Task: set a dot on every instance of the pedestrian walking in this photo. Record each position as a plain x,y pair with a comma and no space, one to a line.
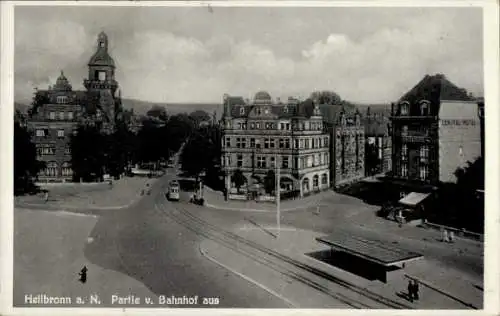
46,197
452,236
415,290
445,236
410,291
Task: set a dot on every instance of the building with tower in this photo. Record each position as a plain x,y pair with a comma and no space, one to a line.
57,112
258,135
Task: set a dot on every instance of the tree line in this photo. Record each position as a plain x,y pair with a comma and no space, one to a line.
94,154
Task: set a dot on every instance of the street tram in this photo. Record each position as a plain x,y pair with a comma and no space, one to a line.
173,191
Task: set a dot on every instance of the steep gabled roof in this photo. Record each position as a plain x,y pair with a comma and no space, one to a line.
434,89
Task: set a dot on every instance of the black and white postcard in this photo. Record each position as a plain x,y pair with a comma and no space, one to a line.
230,157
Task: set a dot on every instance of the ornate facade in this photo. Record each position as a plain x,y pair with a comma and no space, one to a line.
347,148
257,136
59,110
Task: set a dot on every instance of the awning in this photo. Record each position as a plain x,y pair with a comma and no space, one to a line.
414,198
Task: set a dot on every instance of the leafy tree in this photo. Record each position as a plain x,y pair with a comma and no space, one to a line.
326,97
199,116
178,128
238,179
196,156
159,112
89,153
270,182
122,147
26,166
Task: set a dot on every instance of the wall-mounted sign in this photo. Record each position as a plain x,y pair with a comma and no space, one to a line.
458,122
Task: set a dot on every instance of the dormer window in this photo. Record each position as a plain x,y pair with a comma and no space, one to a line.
424,108
405,107
242,111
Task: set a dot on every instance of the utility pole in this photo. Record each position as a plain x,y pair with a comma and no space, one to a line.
277,195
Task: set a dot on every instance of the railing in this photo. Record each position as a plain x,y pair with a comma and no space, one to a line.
457,231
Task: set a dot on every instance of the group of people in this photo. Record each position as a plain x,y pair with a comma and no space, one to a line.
448,236
413,290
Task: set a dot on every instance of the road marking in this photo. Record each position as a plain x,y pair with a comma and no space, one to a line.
204,253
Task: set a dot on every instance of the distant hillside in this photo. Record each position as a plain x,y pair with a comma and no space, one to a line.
21,107
141,107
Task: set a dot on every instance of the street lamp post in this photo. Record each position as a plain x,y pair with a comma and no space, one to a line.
277,195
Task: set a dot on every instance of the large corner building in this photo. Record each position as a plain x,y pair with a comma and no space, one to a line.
260,134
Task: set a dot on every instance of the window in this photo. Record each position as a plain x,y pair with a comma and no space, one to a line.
307,144
273,165
244,125
70,115
238,142
252,125
266,143
52,115
313,143
257,143
268,126
282,125
285,109
284,162
404,108
287,143
228,142
102,75
424,153
271,142
404,152
281,143
404,170
296,143
239,125
252,142
424,172
424,108
51,169
243,142
324,178
261,162
315,181
242,111
67,151
239,161
287,126
404,130
258,125
40,132
61,99
266,111
66,169
60,133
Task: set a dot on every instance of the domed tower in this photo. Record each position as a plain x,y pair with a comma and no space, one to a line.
101,84
62,84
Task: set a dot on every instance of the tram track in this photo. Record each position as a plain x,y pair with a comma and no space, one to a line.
283,264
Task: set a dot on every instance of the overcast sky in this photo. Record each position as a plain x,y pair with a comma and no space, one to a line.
196,55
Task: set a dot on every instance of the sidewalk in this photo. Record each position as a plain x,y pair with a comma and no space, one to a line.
296,243
121,194
215,199
51,249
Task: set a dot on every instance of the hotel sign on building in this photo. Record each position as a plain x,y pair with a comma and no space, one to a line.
436,130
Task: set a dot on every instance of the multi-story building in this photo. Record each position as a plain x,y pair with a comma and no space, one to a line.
58,110
347,148
378,142
257,136
436,130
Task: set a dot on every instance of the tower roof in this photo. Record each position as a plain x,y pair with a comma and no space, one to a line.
262,97
101,57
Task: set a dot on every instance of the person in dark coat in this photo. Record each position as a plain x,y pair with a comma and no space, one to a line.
415,290
410,291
